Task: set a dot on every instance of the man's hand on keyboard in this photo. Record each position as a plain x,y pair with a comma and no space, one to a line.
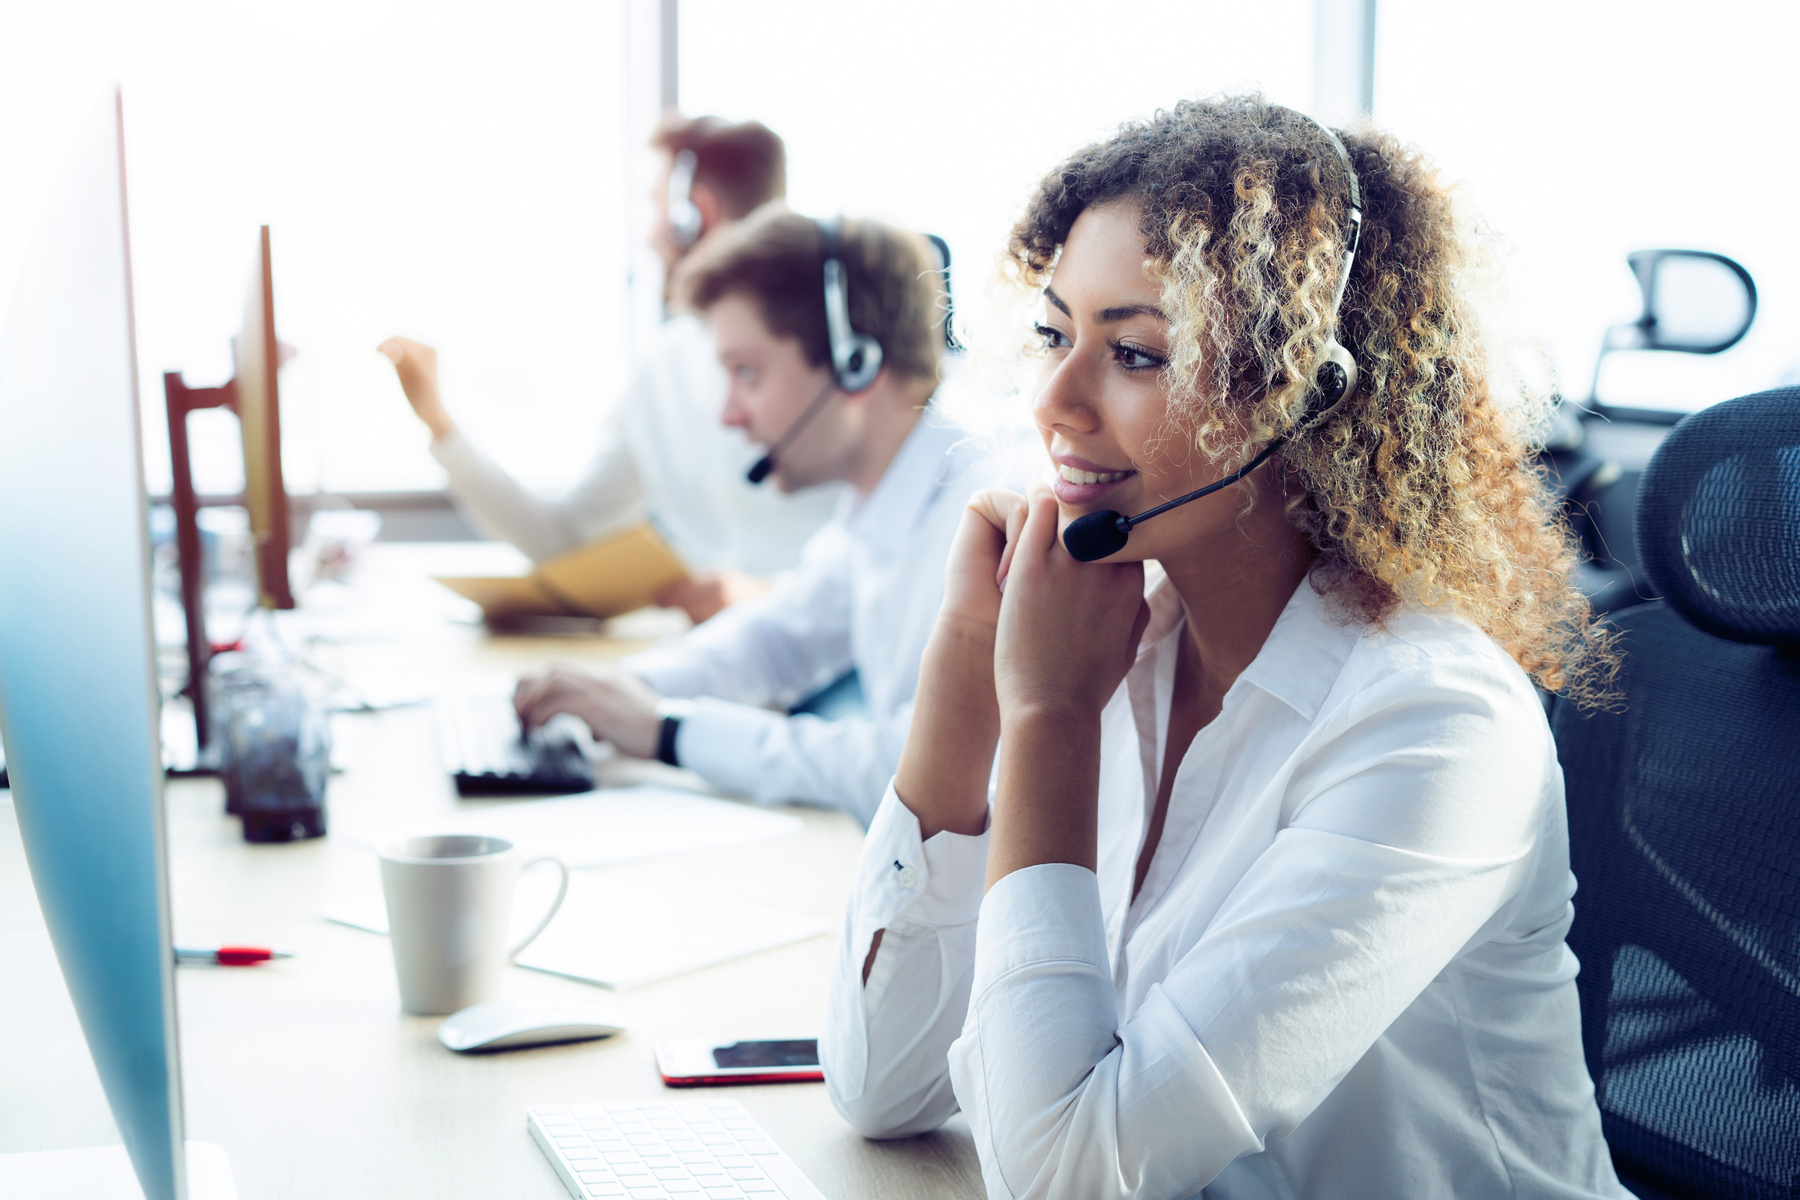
619,707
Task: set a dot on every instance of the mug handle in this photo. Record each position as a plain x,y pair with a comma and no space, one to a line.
561,891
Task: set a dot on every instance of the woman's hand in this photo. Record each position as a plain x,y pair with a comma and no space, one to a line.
949,754
1068,631
976,570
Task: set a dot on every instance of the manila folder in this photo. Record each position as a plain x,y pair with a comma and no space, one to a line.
619,575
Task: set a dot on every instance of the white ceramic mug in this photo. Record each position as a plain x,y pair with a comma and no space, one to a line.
449,909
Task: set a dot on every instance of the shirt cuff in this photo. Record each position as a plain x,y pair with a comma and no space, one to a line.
458,455
934,882
724,742
1047,913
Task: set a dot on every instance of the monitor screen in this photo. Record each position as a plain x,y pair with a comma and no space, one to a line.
78,694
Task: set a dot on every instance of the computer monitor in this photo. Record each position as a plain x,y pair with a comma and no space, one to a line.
254,393
258,357
78,691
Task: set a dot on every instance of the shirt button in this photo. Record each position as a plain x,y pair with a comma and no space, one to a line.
909,878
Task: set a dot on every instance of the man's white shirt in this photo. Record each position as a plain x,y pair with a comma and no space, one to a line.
664,456
1345,973
865,596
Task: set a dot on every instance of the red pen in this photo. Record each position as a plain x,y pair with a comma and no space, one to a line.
229,956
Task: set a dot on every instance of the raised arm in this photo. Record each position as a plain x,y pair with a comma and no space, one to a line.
907,954
609,494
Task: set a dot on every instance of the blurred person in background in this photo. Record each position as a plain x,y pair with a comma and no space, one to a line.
664,454
868,589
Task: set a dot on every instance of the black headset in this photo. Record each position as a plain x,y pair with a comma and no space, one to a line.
855,357
1098,535
686,223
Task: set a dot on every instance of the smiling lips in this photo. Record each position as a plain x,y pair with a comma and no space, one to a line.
1079,486
1073,475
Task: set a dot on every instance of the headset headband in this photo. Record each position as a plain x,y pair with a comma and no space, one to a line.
685,220
1353,237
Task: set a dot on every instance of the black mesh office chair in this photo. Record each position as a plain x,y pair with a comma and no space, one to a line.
1684,822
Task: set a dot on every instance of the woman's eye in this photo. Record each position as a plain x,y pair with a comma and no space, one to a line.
1053,339
1134,358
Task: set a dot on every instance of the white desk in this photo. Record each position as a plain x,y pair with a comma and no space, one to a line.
310,1076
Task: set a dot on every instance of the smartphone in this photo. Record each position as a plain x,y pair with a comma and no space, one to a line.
711,1064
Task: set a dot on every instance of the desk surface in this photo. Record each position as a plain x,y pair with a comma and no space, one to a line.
306,1070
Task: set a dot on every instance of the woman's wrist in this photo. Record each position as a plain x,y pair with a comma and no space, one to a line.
949,755
1047,806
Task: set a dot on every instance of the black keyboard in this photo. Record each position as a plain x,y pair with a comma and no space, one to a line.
486,756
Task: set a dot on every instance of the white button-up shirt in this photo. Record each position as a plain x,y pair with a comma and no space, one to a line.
1345,974
663,455
866,595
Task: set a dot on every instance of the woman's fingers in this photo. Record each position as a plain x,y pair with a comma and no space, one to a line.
971,591
1015,524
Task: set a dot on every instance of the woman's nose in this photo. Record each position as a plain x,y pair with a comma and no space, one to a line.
1066,398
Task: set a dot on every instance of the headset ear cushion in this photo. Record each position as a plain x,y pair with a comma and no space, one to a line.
861,365
1334,380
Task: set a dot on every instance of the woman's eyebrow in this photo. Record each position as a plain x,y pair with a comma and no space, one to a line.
1126,312
1108,316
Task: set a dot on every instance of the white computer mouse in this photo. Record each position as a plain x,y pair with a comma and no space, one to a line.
504,1025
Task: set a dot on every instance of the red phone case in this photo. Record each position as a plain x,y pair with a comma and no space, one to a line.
814,1075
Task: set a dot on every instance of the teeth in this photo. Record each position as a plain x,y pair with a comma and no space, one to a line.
1074,476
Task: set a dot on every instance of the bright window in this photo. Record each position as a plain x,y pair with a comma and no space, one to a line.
1584,131
447,171
943,115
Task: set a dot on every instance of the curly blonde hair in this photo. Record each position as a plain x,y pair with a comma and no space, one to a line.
1423,486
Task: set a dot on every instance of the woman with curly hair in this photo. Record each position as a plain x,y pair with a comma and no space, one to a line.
1270,894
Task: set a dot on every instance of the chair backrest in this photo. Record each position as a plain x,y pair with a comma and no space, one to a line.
1684,821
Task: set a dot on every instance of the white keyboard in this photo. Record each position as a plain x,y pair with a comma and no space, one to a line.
665,1150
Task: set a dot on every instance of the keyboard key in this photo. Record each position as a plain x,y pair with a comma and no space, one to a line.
758,1187
608,1190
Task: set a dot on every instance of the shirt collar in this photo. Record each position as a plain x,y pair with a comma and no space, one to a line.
1298,663
884,520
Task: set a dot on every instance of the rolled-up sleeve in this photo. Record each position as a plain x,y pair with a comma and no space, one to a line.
609,497
885,1042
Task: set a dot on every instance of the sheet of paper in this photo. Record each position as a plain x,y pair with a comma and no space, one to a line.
618,936
597,829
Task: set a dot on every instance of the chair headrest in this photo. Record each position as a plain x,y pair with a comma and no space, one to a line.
1718,519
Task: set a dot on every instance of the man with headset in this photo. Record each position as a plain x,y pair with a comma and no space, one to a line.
832,336
664,455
